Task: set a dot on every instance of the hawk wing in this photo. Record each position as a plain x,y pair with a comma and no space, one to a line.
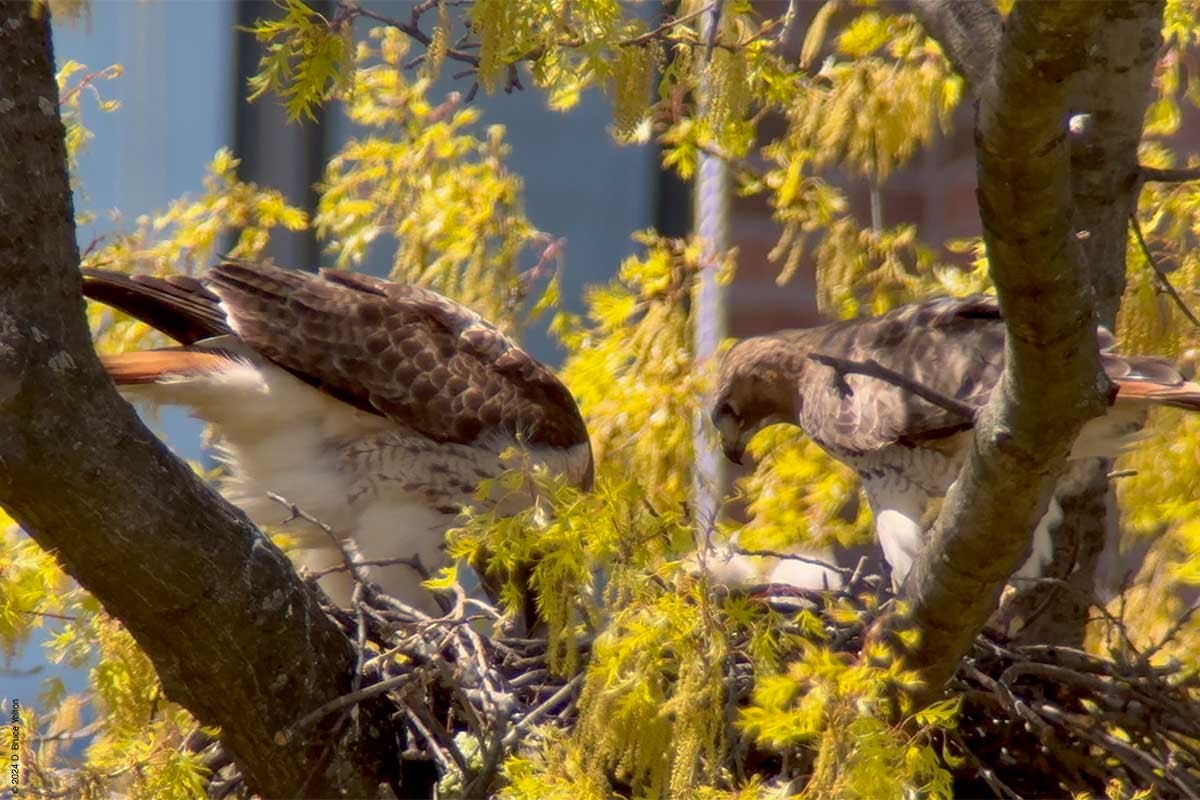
422,361
952,347
888,396
284,364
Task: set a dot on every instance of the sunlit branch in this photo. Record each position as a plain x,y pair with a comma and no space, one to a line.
874,369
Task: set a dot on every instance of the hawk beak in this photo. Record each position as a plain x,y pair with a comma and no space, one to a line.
733,452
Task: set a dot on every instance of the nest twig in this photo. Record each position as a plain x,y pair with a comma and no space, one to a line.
1055,720
1036,720
465,698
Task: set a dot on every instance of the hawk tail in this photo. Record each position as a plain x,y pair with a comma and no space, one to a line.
1185,395
1154,381
178,305
144,367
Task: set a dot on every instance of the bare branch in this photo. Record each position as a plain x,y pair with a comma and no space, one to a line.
1177,175
535,716
1163,280
874,369
412,562
1171,633
295,512
816,562
658,32
1148,769
411,29
338,703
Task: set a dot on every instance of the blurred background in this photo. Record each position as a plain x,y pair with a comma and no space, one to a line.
183,96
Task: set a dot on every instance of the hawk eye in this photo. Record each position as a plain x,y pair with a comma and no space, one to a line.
726,410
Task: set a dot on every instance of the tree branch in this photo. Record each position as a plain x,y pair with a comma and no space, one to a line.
1111,93
411,29
235,635
1052,381
873,369
1163,280
1177,175
1109,98
969,32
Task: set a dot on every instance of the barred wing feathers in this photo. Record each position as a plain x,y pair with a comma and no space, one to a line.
424,362
377,407
953,347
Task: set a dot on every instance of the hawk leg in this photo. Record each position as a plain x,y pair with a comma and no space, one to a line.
897,504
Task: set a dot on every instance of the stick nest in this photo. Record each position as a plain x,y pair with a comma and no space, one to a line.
1035,721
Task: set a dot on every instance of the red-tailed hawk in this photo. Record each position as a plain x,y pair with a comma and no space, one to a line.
907,448
377,408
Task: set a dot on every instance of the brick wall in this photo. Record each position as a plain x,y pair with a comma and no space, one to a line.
935,191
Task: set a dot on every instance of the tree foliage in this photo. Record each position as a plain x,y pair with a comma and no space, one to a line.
652,641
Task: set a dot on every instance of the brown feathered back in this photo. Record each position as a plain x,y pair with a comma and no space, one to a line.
952,346
425,362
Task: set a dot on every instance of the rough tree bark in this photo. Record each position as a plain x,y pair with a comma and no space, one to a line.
1052,383
1112,90
968,31
1110,94
235,635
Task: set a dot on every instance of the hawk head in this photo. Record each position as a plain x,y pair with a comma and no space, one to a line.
755,389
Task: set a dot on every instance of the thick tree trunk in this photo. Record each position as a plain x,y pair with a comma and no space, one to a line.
1052,383
1111,86
235,635
1110,96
